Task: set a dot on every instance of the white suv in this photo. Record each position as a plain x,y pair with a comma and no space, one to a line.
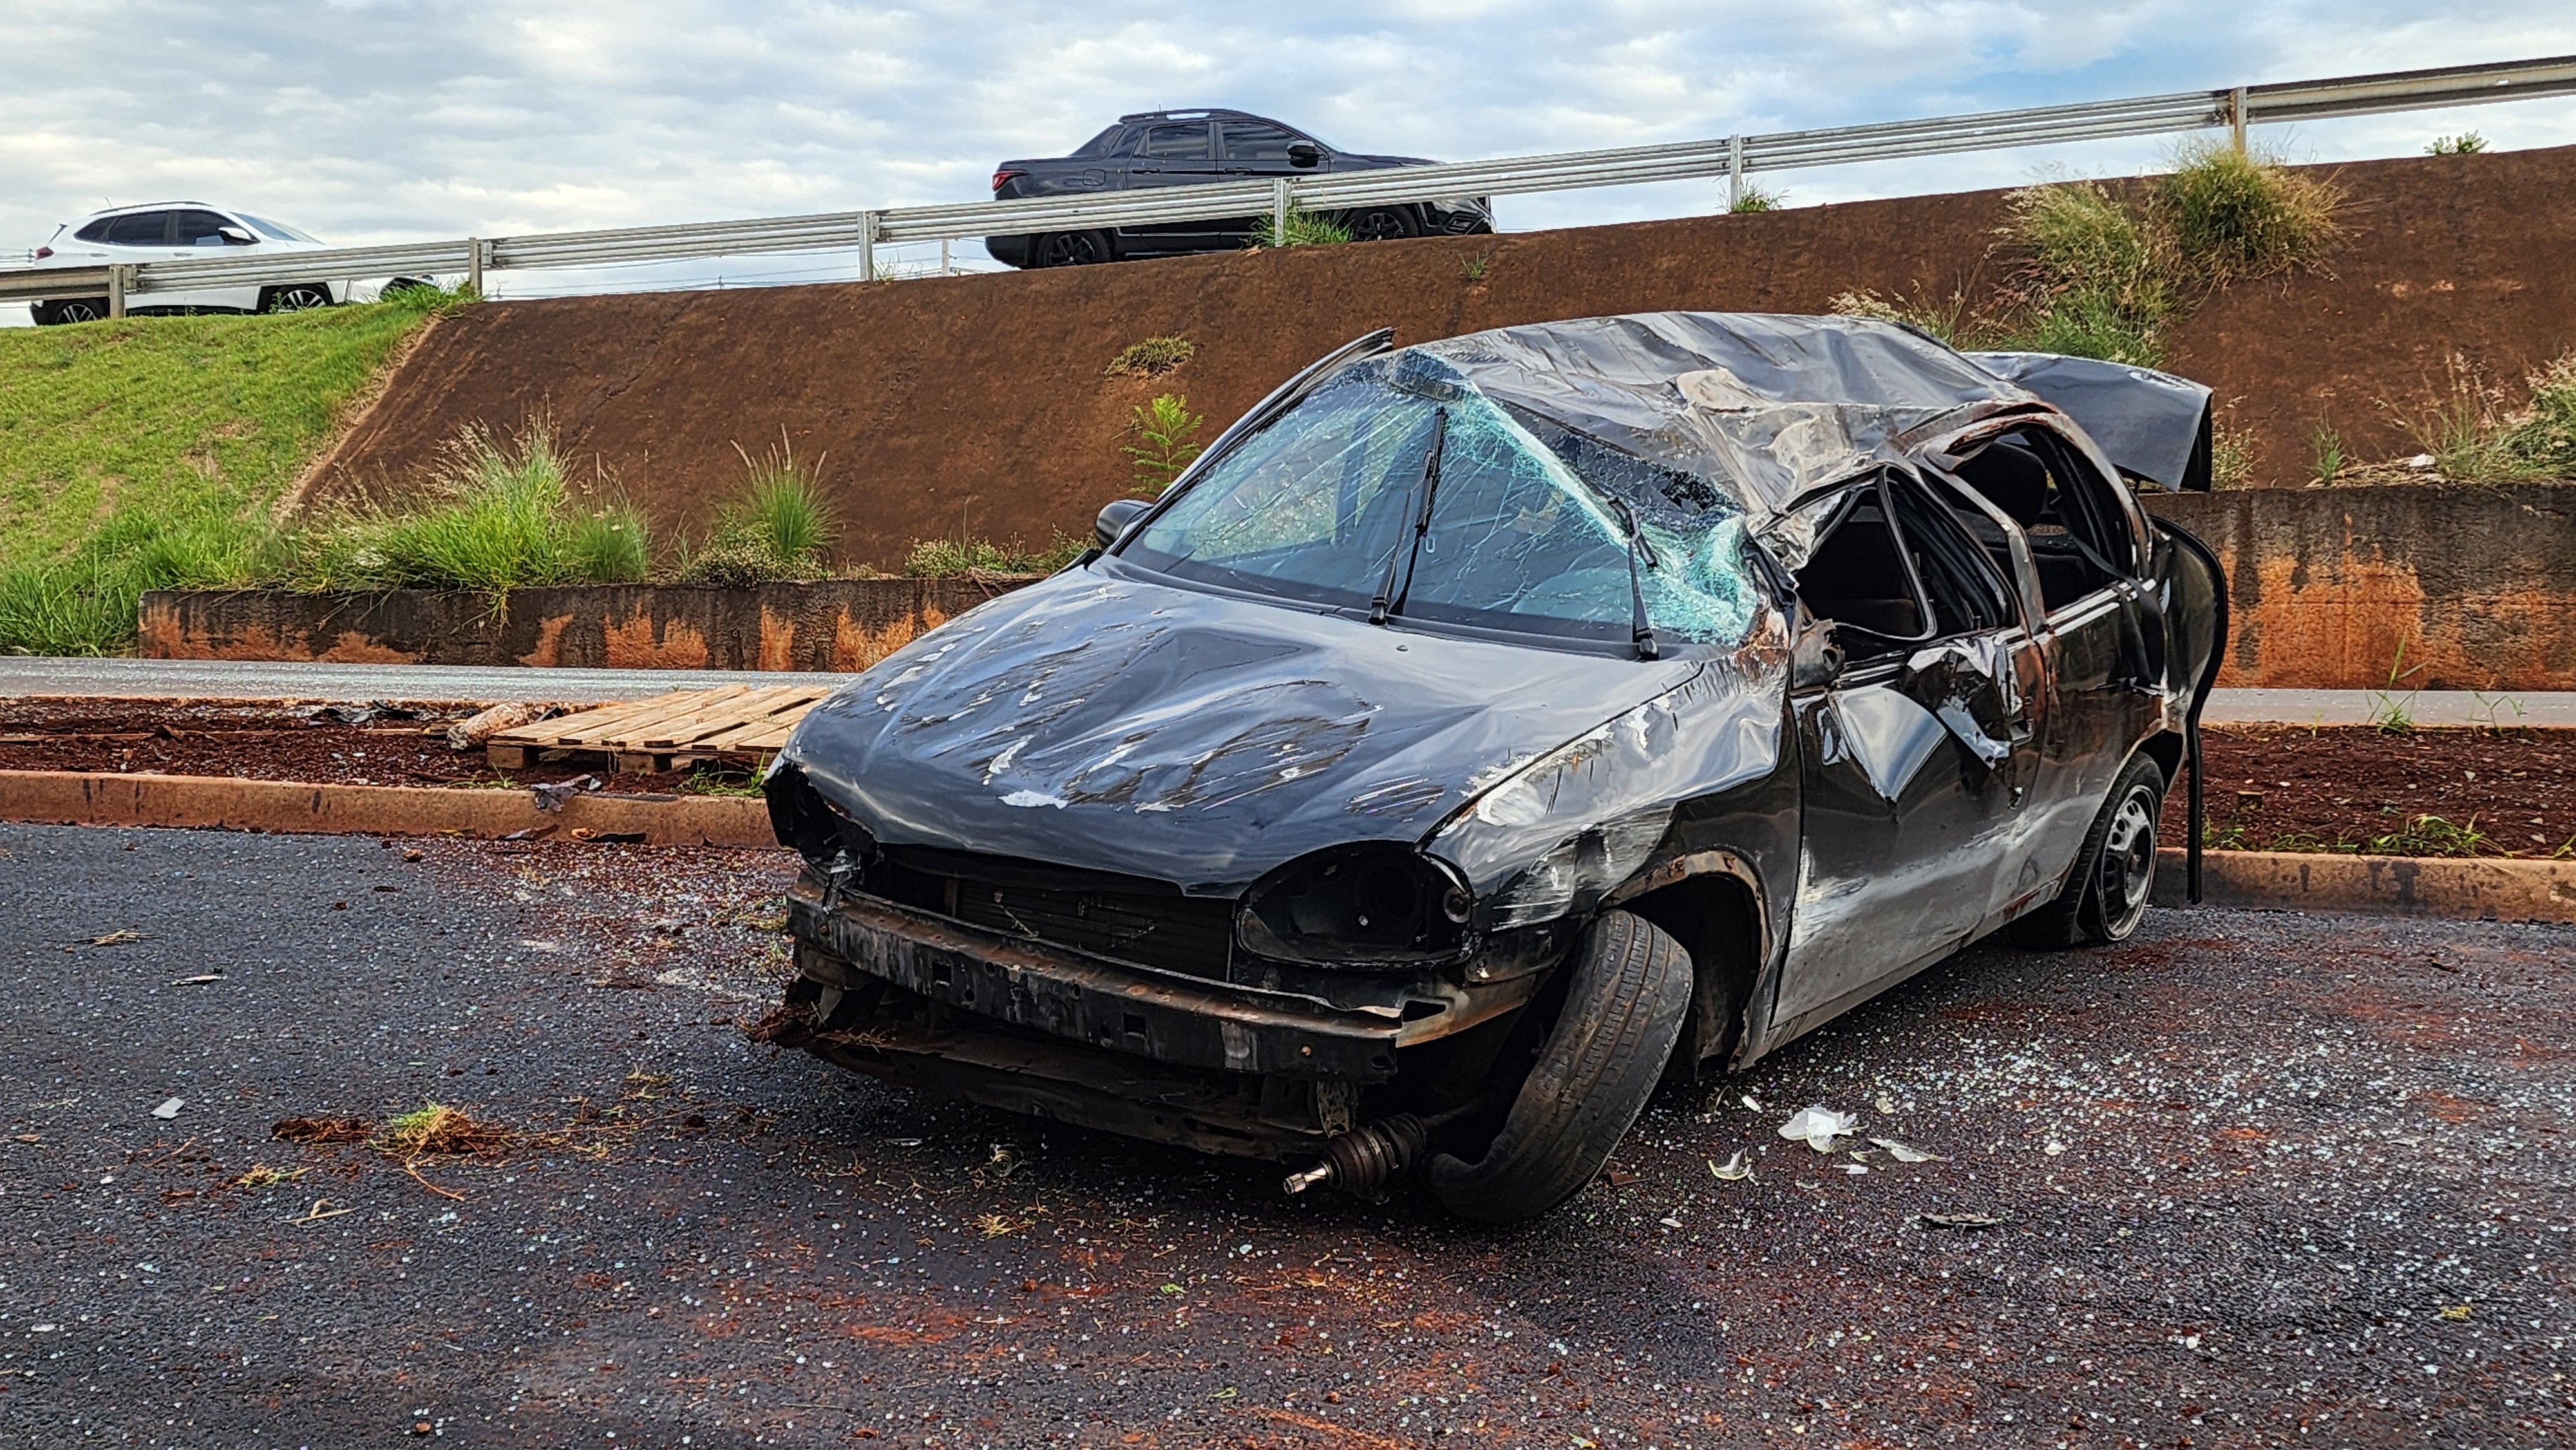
176,230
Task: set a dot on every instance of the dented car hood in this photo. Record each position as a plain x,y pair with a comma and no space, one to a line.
1124,725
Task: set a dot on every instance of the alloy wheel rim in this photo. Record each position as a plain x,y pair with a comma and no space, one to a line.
1377,226
2128,867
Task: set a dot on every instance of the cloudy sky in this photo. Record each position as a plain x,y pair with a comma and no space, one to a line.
382,120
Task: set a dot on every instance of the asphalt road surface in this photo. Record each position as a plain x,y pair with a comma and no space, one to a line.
2260,1180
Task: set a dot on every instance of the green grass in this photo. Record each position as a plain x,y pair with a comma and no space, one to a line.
1151,358
1304,229
499,515
147,453
944,558
1756,199
778,527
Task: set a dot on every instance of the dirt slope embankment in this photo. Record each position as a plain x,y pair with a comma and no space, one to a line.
978,404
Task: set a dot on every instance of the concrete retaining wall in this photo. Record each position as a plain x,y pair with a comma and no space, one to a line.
2475,586
2327,586
837,624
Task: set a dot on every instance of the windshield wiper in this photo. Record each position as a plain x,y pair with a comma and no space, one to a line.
1424,488
1643,627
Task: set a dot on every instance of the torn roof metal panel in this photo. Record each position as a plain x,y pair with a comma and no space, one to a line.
2150,424
1766,406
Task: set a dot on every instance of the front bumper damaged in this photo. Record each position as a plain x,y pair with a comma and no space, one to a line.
1037,1028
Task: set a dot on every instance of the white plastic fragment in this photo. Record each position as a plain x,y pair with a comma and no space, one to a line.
1733,1170
1817,1126
1904,1154
1750,1101
1886,1106
169,1108
1855,1168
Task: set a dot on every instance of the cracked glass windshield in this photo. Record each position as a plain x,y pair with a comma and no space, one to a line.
1516,531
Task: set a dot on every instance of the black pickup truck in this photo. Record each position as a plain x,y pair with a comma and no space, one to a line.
1187,148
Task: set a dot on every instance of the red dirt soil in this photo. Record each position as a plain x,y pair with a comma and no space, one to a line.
2271,788
268,742
979,403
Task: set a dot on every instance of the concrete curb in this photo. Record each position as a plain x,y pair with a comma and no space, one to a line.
56,797
2454,889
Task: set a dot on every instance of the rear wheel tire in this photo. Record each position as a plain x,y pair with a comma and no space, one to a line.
1382,224
1071,249
2115,874
1624,1005
78,309
301,297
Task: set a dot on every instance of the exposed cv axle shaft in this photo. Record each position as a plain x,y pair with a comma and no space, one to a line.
1364,1159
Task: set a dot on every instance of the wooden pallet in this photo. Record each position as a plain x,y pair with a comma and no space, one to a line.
736,722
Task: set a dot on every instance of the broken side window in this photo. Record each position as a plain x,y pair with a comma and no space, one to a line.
2078,535
1894,571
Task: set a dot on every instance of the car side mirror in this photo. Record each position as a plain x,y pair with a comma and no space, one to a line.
1304,155
1816,660
1115,516
235,236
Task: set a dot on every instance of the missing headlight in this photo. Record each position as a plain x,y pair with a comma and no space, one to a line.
1361,905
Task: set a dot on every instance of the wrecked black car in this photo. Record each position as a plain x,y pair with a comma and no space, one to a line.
1485,731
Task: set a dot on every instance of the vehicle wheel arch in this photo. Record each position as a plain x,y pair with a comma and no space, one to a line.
2165,748
1712,903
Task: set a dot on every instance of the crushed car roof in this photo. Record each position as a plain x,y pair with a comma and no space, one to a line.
1766,405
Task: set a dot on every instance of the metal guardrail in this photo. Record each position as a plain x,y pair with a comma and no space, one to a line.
1732,157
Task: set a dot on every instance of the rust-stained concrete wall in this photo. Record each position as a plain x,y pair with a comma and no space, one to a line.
2326,586
838,624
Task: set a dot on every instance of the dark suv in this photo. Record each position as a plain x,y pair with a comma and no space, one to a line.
1189,148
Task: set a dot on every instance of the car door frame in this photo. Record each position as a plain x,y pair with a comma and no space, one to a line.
227,299
2104,650
1954,830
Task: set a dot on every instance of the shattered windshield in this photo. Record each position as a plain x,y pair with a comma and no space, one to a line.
1340,502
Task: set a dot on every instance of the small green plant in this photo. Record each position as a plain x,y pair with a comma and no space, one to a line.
2467,143
778,527
2391,713
1166,434
704,781
1151,358
1473,269
2231,456
2330,460
1304,229
2433,836
1756,198
949,558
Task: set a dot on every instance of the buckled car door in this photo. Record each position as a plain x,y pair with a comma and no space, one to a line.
1174,153
2102,628
1916,758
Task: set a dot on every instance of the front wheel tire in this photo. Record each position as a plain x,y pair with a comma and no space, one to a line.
1382,224
1624,1003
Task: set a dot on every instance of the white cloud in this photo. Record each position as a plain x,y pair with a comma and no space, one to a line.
379,120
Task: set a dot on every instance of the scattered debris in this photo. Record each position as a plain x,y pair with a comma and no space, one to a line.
1733,1170
1904,1154
169,1108
261,1175
994,1225
322,1130
1886,1106
439,1131
316,1214
1817,1126
1750,1101
1670,1220
1620,1177
473,730
1958,1220
198,980
552,796
2457,1311
116,938
1855,1168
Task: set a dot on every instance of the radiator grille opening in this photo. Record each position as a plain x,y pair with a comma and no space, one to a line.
1124,918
